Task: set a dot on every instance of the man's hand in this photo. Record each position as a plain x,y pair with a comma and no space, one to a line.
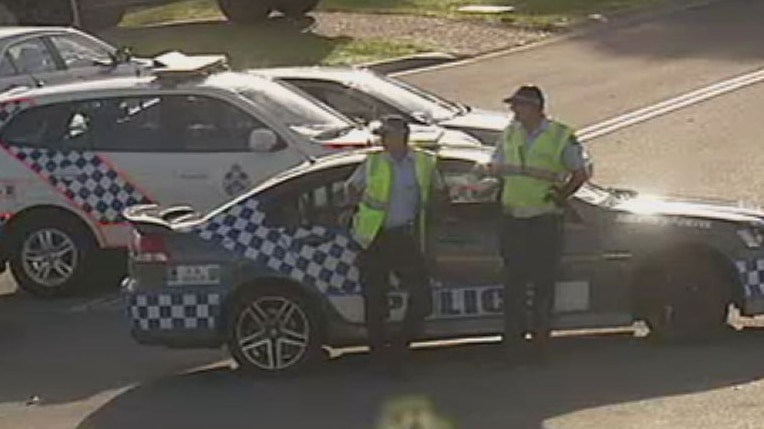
560,195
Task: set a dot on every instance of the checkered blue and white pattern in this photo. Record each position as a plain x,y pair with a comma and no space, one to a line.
317,256
175,311
752,273
85,179
236,181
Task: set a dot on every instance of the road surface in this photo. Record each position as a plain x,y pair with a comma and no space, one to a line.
71,364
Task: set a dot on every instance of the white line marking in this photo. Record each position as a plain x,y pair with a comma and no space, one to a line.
671,105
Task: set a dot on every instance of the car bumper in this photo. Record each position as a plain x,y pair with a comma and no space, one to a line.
187,317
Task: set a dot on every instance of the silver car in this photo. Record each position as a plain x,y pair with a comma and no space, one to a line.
37,56
272,274
366,95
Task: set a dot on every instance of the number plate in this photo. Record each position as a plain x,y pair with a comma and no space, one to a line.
193,275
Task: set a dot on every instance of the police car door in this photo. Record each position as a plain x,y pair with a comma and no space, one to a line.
468,267
464,253
187,149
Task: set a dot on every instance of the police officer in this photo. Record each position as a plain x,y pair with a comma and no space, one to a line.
541,165
393,188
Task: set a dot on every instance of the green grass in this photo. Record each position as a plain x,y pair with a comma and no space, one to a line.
533,13
274,43
200,28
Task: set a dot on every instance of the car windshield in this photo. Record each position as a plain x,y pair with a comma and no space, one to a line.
409,97
288,104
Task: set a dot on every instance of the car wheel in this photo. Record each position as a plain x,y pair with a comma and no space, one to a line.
274,330
49,254
245,11
690,302
102,18
296,8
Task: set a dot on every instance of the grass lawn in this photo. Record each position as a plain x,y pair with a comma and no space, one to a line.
273,43
527,13
277,42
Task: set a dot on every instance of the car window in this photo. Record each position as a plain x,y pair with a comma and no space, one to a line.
468,182
79,52
7,68
350,102
60,126
173,123
32,56
318,199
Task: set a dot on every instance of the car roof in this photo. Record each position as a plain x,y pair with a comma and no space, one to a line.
479,154
83,89
10,34
332,73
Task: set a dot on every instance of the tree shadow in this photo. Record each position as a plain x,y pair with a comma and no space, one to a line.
460,382
729,29
275,42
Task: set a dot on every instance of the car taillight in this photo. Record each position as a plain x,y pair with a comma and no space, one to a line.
149,248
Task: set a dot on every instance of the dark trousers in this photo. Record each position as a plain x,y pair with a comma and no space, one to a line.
394,251
531,249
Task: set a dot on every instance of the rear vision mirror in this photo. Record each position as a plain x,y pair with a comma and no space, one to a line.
122,55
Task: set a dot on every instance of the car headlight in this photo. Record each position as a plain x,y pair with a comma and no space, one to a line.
752,237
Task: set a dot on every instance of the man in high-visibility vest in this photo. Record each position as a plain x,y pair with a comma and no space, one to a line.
394,189
541,165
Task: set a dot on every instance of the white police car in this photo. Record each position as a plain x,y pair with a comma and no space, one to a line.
272,274
74,156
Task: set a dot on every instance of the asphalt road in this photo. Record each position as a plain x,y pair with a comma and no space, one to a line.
71,364
599,75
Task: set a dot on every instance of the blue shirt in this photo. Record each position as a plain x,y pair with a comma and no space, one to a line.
574,157
404,191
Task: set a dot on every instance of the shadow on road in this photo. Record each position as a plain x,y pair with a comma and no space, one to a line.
462,383
278,41
728,29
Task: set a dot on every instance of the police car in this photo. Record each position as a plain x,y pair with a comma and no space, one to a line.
272,274
364,94
74,156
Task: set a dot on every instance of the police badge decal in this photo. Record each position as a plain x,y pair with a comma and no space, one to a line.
236,181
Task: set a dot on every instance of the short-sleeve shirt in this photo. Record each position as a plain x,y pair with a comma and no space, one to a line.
574,156
404,192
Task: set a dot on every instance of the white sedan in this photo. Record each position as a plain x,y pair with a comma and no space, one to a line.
366,95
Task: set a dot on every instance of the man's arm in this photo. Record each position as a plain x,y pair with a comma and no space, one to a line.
497,159
355,185
576,160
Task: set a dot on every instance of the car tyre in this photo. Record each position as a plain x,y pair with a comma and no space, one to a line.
274,330
50,252
690,300
296,8
245,11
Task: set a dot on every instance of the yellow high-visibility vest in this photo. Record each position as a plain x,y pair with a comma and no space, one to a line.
375,201
530,172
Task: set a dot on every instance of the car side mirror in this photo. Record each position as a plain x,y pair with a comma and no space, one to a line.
263,140
422,117
122,55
